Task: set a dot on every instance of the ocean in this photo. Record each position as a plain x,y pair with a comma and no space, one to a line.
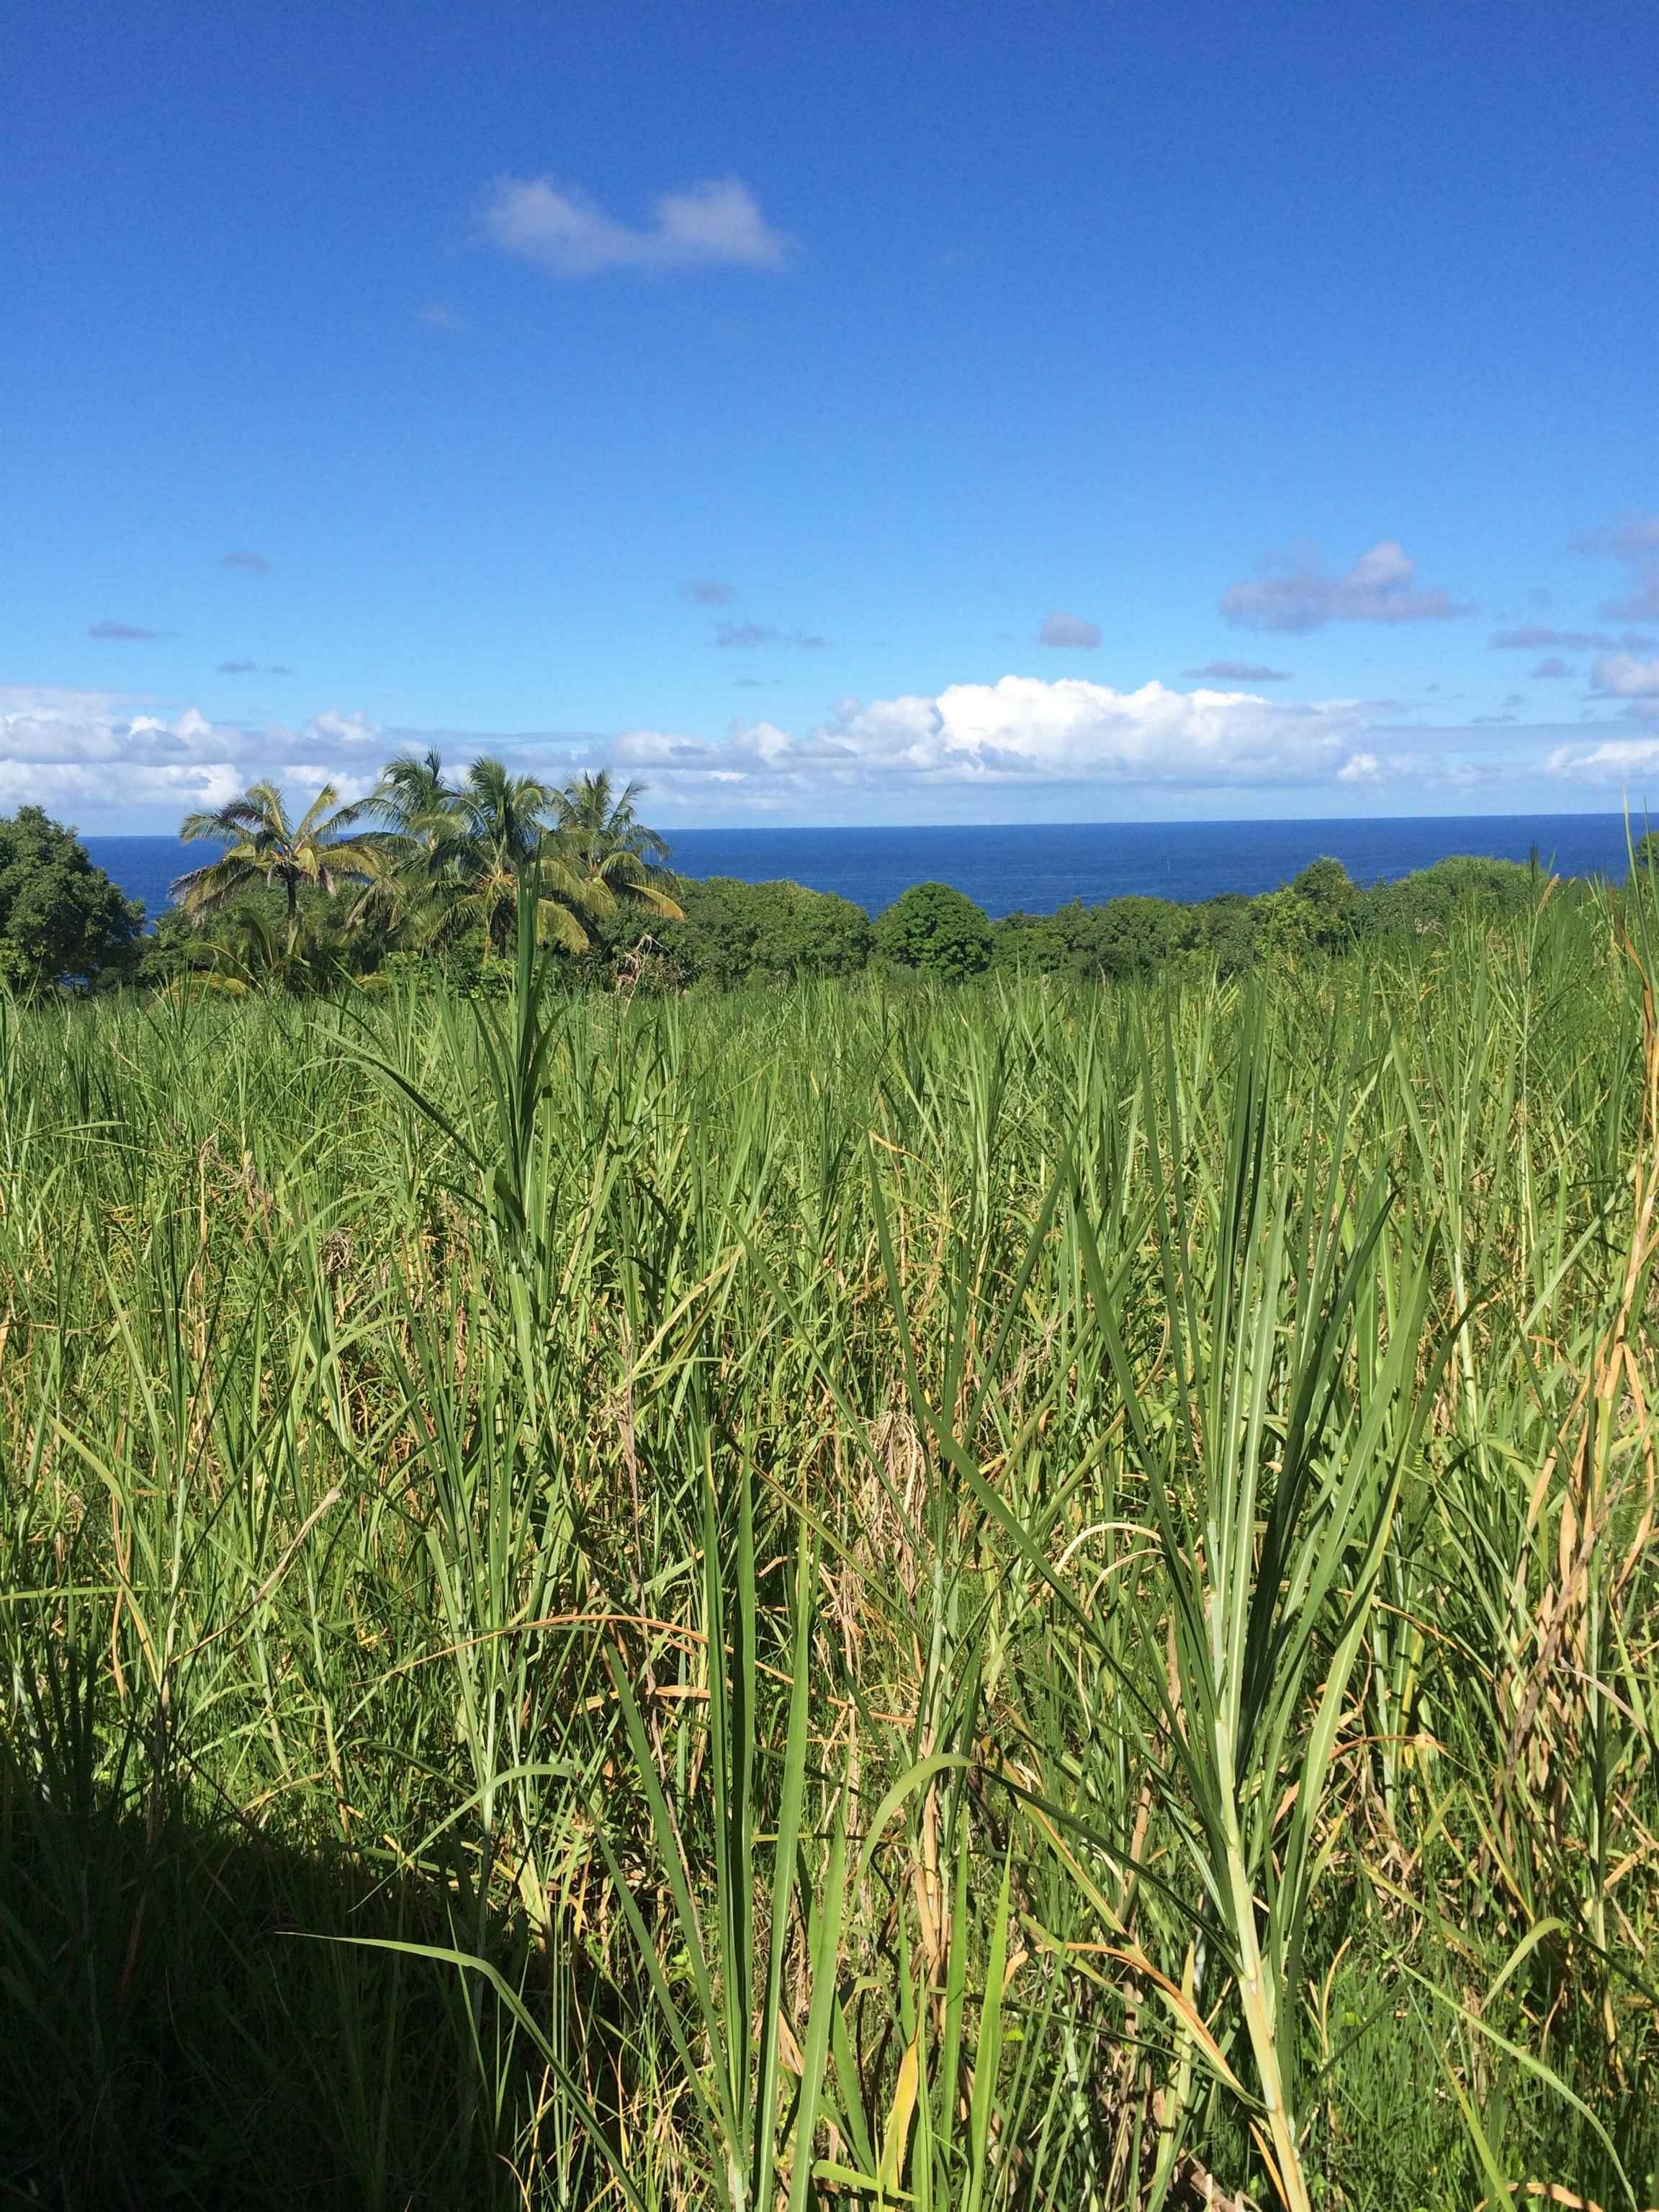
1035,868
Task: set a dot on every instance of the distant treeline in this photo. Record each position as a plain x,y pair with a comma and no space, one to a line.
291,908
731,933
734,933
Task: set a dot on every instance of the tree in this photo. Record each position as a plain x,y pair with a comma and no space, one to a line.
265,848
61,919
598,828
1315,913
1127,936
735,933
419,810
1646,854
937,929
1428,901
497,829
413,797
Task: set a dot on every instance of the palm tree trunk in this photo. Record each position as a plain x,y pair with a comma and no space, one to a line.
293,890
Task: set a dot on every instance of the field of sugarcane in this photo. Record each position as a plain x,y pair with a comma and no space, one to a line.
1030,1596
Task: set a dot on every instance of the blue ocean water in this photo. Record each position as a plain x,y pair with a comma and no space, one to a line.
1037,866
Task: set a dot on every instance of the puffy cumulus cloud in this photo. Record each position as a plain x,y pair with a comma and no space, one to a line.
1302,595
1019,729
86,751
1622,676
1553,665
1619,760
1069,631
717,222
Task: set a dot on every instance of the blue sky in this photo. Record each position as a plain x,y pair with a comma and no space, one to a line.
864,413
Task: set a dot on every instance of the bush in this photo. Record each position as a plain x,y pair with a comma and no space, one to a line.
1427,901
245,941
739,932
62,920
937,930
1318,912
1123,936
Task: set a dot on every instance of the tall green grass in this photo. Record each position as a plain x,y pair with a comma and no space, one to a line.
1022,1597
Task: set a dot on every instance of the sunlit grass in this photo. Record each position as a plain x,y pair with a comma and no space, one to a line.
1025,1595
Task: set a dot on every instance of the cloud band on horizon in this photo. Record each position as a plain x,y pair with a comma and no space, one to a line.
88,749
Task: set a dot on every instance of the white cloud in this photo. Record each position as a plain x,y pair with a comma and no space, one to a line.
1302,595
1627,678
78,752
1002,749
714,223
1615,761
1020,730
349,732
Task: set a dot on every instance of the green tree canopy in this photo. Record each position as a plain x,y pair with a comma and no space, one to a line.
737,933
61,919
1316,911
1128,936
937,929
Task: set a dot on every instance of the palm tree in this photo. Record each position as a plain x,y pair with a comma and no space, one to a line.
420,810
413,798
598,826
262,846
497,830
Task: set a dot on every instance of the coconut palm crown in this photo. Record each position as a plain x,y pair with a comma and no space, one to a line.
597,825
413,799
495,828
264,847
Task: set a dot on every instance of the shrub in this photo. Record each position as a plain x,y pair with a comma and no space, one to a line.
737,933
1426,903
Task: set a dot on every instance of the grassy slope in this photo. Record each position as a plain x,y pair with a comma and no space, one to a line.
478,1480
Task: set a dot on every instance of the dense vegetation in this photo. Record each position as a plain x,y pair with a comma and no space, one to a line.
61,919
421,878
1035,1592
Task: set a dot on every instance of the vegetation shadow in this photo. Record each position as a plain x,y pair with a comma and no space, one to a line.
195,2013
